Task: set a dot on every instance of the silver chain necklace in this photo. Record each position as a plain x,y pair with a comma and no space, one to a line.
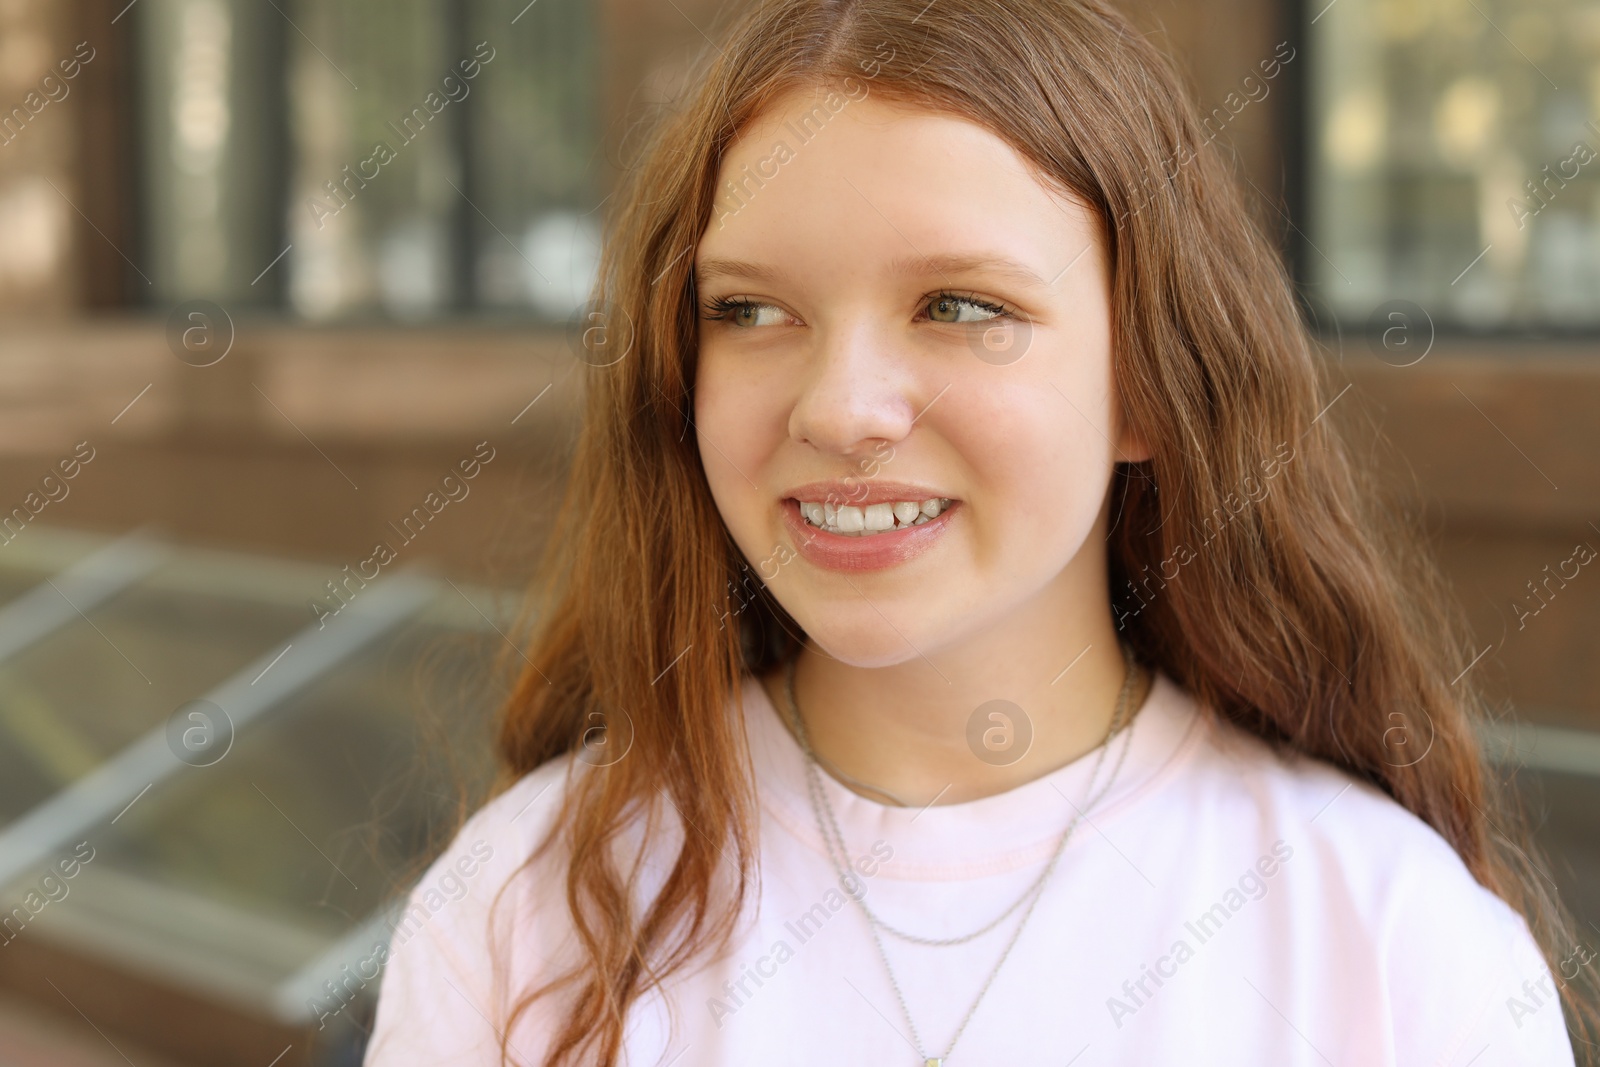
1031,895
842,857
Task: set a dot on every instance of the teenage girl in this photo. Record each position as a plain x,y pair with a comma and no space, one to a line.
966,640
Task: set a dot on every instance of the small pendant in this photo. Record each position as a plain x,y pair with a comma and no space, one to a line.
933,1062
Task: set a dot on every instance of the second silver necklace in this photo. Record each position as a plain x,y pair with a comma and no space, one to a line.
1033,895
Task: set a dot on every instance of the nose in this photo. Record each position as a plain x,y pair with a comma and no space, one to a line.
858,389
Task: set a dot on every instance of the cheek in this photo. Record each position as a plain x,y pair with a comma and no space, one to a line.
1040,471
737,425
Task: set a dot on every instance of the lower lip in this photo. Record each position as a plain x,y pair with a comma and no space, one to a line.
870,552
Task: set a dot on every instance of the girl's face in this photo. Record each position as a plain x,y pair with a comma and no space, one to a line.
894,313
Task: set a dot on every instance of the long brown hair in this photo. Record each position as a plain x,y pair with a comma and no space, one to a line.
1249,559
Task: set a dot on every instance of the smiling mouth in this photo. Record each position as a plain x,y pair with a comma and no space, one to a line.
851,520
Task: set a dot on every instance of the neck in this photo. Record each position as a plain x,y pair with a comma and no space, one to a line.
926,730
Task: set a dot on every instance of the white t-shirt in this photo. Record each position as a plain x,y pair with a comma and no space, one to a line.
1219,906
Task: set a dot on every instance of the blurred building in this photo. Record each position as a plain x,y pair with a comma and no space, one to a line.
281,265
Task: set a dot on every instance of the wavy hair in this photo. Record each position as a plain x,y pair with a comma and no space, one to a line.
1249,559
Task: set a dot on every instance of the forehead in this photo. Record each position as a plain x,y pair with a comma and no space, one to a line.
827,176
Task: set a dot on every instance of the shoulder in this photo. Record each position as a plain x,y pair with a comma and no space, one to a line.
1357,837
452,964
488,852
1393,901
506,830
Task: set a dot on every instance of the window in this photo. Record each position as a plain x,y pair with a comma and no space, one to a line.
1454,161
358,158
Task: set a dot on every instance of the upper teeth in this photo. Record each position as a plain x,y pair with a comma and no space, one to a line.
856,521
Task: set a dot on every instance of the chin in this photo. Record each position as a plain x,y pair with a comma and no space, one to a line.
869,645
869,642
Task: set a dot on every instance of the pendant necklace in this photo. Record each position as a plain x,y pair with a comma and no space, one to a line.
834,840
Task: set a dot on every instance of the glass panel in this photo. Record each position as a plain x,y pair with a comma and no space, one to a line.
1456,160
87,690
329,785
15,581
237,879
38,551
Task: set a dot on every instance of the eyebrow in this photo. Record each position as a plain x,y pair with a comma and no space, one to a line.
906,266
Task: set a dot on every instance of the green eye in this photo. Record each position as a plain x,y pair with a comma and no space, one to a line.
743,313
749,314
947,307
